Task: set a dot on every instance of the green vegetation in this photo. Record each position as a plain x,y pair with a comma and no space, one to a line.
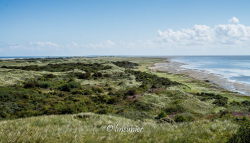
243,134
125,64
170,108
218,99
62,67
90,127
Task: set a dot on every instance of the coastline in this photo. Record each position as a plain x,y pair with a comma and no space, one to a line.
176,68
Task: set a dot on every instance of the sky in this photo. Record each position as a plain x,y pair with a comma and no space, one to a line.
124,27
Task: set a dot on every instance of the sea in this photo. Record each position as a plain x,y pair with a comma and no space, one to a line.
233,68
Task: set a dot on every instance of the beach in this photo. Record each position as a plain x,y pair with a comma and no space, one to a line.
177,68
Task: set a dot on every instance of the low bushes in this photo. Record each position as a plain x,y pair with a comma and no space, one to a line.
219,100
161,115
174,109
150,80
69,86
242,135
36,83
62,67
125,64
80,75
184,118
245,103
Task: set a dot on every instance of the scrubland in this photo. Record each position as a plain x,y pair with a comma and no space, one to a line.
76,99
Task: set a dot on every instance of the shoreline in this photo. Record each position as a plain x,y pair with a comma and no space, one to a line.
176,68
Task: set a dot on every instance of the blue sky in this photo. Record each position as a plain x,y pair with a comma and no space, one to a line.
124,27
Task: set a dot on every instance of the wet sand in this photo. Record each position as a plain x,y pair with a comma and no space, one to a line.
176,68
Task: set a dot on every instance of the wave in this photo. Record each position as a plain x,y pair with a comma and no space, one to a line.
234,70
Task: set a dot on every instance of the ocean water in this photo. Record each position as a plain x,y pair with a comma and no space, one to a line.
234,68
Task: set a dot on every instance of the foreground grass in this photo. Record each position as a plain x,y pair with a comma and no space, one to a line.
89,127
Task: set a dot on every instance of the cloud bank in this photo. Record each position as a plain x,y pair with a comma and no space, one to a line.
222,34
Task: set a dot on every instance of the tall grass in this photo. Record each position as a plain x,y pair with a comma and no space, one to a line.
88,127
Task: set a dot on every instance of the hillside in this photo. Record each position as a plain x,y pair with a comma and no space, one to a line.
77,99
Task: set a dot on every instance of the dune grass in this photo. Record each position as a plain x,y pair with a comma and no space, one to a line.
77,100
93,128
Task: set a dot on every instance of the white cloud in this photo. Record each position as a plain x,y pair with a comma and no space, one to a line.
196,34
44,44
234,20
232,33
105,44
201,34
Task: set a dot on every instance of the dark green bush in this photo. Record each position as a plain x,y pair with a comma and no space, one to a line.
245,103
179,118
100,98
70,85
220,102
63,67
97,89
43,84
97,75
242,135
142,106
49,76
151,80
174,109
30,84
161,115
234,103
183,118
132,91
125,64
80,75
36,84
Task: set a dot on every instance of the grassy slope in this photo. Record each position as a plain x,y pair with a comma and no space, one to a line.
71,128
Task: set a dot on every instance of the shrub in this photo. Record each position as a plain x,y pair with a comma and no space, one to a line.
245,103
49,76
36,83
103,109
97,75
161,115
151,80
113,100
174,109
234,103
88,92
184,118
30,84
70,85
77,91
100,98
242,135
62,67
86,75
179,118
43,84
131,92
97,89
220,102
142,106
125,64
